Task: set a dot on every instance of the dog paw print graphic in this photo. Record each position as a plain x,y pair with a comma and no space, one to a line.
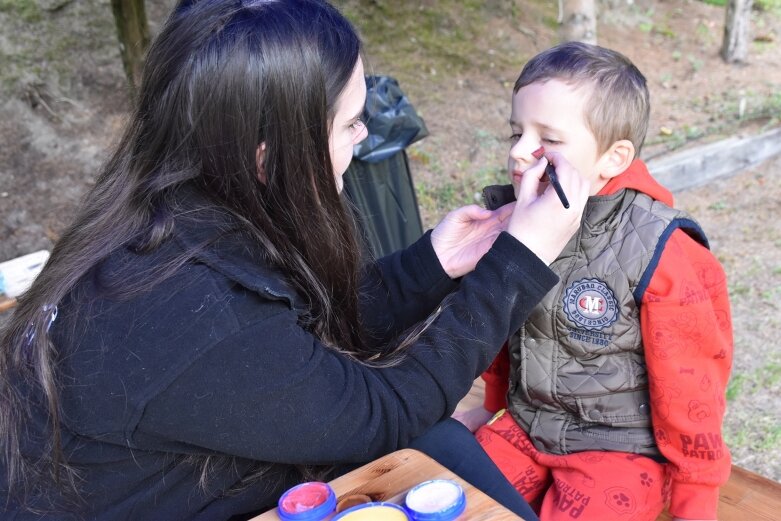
620,500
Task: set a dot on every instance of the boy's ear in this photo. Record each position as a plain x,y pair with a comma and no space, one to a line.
260,158
616,159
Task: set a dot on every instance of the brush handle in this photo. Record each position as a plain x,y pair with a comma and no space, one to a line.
554,180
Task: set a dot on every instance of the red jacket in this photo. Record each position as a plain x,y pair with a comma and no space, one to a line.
685,312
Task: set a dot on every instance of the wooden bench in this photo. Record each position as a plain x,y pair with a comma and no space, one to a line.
6,303
745,497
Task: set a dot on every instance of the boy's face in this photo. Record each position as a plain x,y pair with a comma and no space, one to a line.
551,114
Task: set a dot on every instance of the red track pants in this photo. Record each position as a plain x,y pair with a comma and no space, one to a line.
593,485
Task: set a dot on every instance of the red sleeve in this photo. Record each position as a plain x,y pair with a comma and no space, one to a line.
496,379
687,333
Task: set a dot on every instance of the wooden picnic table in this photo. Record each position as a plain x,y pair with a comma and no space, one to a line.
390,477
6,303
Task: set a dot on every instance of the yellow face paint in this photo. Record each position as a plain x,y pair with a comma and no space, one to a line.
373,512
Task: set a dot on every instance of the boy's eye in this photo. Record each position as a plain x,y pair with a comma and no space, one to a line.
515,137
551,141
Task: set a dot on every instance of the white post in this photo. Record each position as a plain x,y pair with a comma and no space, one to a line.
737,23
578,21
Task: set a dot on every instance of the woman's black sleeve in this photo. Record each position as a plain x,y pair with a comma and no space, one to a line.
402,289
274,393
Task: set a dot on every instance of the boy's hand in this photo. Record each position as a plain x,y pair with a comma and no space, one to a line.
473,419
465,235
540,221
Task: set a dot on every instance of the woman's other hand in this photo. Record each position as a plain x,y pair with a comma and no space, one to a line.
540,221
473,419
465,234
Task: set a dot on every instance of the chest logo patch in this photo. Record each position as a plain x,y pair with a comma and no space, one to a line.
590,304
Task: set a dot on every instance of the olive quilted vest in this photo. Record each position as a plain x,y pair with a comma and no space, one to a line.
578,378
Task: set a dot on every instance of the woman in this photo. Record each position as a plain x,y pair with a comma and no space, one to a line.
203,336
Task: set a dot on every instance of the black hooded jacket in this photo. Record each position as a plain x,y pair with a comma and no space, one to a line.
213,361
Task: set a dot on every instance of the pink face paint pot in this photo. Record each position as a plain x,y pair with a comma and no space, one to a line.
435,500
373,512
311,501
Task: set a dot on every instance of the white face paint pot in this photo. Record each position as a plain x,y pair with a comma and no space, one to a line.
311,501
435,500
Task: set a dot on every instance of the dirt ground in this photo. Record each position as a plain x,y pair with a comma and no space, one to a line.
63,102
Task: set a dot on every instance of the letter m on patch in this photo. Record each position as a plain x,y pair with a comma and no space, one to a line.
592,305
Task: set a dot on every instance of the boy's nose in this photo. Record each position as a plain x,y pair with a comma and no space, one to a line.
526,151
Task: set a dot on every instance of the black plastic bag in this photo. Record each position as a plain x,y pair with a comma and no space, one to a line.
391,120
378,181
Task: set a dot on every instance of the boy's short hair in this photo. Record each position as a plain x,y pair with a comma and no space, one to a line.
618,103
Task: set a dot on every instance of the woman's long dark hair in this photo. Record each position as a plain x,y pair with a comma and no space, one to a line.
222,77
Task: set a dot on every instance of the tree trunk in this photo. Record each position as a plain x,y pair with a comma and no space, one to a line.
578,20
133,33
734,48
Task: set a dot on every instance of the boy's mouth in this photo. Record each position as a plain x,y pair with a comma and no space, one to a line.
517,175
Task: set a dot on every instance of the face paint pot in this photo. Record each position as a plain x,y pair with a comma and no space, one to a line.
374,512
435,500
311,501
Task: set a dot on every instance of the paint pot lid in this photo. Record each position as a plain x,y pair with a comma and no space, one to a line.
350,501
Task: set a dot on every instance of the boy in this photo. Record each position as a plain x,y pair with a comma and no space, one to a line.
615,395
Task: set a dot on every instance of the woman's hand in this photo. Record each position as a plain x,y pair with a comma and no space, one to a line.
540,221
465,234
473,419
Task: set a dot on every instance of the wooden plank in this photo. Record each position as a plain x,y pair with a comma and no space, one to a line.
390,477
697,166
747,496
474,398
6,303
